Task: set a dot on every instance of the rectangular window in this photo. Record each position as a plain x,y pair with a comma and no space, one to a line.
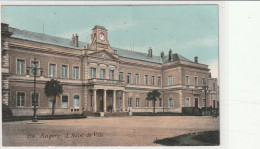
214,87
33,100
75,73
102,74
92,73
203,102
170,102
20,66
146,79
137,102
52,70
64,71
136,79
169,80
33,64
20,99
121,76
187,102
159,81
160,102
203,81
76,101
146,103
195,81
111,74
186,80
64,101
129,78
129,102
152,80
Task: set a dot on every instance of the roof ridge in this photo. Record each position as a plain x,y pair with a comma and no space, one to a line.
135,52
42,34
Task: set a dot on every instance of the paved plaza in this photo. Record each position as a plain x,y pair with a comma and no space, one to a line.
107,131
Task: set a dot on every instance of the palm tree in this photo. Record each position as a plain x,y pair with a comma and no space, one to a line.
153,95
52,89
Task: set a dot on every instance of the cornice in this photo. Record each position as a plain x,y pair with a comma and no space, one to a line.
39,80
139,65
183,65
46,50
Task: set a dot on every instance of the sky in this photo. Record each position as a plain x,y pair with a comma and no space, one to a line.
190,30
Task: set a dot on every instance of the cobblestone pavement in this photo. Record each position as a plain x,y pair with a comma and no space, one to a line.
108,131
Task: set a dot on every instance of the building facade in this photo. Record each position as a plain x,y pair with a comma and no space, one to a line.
214,92
95,76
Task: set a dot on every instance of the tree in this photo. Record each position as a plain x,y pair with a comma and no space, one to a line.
52,89
153,95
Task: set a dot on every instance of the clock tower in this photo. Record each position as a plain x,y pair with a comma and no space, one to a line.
99,39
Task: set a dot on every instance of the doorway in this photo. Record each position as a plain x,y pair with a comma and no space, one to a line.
196,102
101,107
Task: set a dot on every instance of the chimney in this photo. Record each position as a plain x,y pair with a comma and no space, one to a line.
150,52
196,59
162,54
76,41
170,55
5,32
73,39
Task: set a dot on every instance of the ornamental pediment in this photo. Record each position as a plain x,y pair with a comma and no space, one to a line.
103,55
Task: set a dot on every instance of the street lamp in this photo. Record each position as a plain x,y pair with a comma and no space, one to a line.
205,89
34,69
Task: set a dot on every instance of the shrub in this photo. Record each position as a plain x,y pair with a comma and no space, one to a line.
196,112
187,110
191,111
6,112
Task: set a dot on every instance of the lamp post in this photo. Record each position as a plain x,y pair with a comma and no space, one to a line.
205,89
34,69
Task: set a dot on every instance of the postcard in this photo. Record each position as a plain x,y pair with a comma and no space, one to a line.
110,75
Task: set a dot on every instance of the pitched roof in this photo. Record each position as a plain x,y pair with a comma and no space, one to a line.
137,55
145,57
43,38
175,57
64,42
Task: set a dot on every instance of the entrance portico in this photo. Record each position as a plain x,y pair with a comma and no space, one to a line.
104,99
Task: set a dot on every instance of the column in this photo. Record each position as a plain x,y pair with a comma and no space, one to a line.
85,98
123,98
114,100
95,99
105,101
181,99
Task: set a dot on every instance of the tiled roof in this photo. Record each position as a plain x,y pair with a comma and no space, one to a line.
43,38
145,57
137,55
64,42
175,57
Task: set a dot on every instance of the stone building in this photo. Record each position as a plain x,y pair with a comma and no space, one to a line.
214,92
95,76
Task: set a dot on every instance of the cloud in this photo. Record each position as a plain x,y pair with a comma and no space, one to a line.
201,42
205,42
